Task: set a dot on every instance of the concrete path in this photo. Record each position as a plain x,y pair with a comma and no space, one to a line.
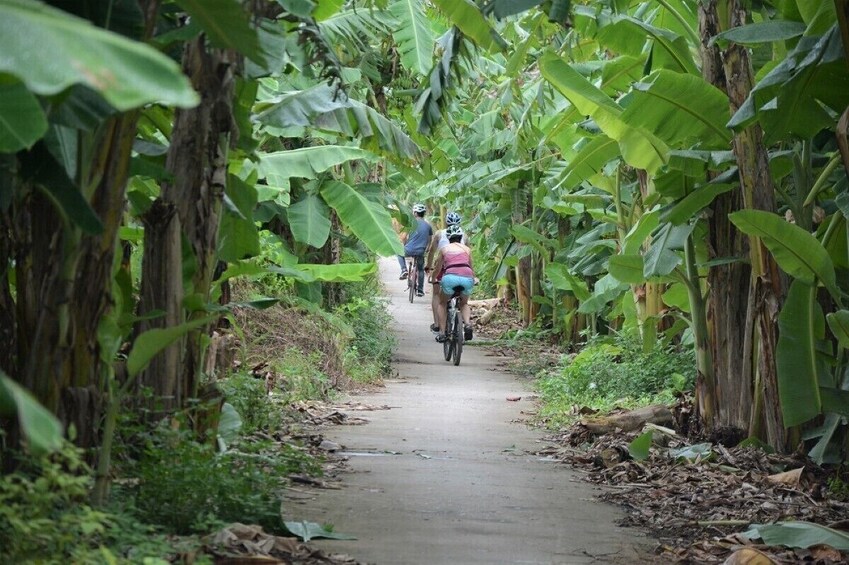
447,475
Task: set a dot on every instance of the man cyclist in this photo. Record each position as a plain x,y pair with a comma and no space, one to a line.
454,264
418,242
437,242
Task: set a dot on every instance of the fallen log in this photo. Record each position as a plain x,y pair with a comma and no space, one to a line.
630,420
486,317
485,303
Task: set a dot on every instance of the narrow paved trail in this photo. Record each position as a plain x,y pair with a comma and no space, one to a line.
448,475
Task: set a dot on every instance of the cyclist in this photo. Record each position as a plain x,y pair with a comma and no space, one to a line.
417,244
437,242
454,264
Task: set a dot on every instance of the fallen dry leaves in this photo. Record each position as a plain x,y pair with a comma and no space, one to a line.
698,509
241,543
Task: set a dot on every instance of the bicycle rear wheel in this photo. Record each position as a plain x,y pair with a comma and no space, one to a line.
448,344
411,286
457,337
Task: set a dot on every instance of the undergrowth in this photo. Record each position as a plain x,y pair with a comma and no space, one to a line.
45,517
190,487
614,371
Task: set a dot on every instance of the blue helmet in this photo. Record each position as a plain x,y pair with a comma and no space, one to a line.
452,218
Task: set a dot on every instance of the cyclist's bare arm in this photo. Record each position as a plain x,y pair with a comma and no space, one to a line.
431,248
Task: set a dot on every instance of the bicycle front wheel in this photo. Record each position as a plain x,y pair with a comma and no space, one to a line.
458,337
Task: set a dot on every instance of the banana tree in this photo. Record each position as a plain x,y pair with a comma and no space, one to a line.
70,151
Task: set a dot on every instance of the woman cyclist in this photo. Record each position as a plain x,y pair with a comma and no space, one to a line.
454,264
439,241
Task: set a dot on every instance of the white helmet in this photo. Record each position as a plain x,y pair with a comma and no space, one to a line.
452,218
419,208
453,231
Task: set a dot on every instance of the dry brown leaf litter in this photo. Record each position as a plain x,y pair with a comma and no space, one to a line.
696,509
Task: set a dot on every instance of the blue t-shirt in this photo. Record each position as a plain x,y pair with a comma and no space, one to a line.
418,240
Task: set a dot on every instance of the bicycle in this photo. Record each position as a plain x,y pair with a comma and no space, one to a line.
452,347
412,276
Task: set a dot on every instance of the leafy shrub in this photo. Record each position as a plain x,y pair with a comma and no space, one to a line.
616,371
370,351
44,511
248,396
187,487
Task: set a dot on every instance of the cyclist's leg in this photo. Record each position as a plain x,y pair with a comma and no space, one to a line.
420,280
436,290
442,311
463,302
403,262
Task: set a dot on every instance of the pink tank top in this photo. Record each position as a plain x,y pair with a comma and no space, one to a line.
457,263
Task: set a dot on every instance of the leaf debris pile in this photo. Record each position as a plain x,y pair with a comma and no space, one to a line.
698,504
231,544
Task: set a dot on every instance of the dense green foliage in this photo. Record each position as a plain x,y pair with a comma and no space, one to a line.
237,486
617,371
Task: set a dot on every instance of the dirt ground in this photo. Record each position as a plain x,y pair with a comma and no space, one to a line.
445,471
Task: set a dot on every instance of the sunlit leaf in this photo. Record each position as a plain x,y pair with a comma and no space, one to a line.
796,251
71,51
369,221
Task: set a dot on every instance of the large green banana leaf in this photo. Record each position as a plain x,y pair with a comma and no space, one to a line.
309,220
41,429
307,162
413,35
796,251
329,109
49,50
471,21
588,162
342,272
226,24
795,356
562,279
681,109
380,133
627,35
22,121
661,258
617,75
640,148
299,107
760,32
367,220
800,95
238,236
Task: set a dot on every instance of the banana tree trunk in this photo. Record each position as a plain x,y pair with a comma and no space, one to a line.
729,402
766,282
161,290
197,161
7,303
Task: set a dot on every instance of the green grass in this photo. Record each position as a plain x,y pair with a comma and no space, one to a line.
614,372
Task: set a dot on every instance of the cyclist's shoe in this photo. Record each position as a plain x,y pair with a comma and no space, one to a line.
419,293
403,276
467,333
441,338
434,327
